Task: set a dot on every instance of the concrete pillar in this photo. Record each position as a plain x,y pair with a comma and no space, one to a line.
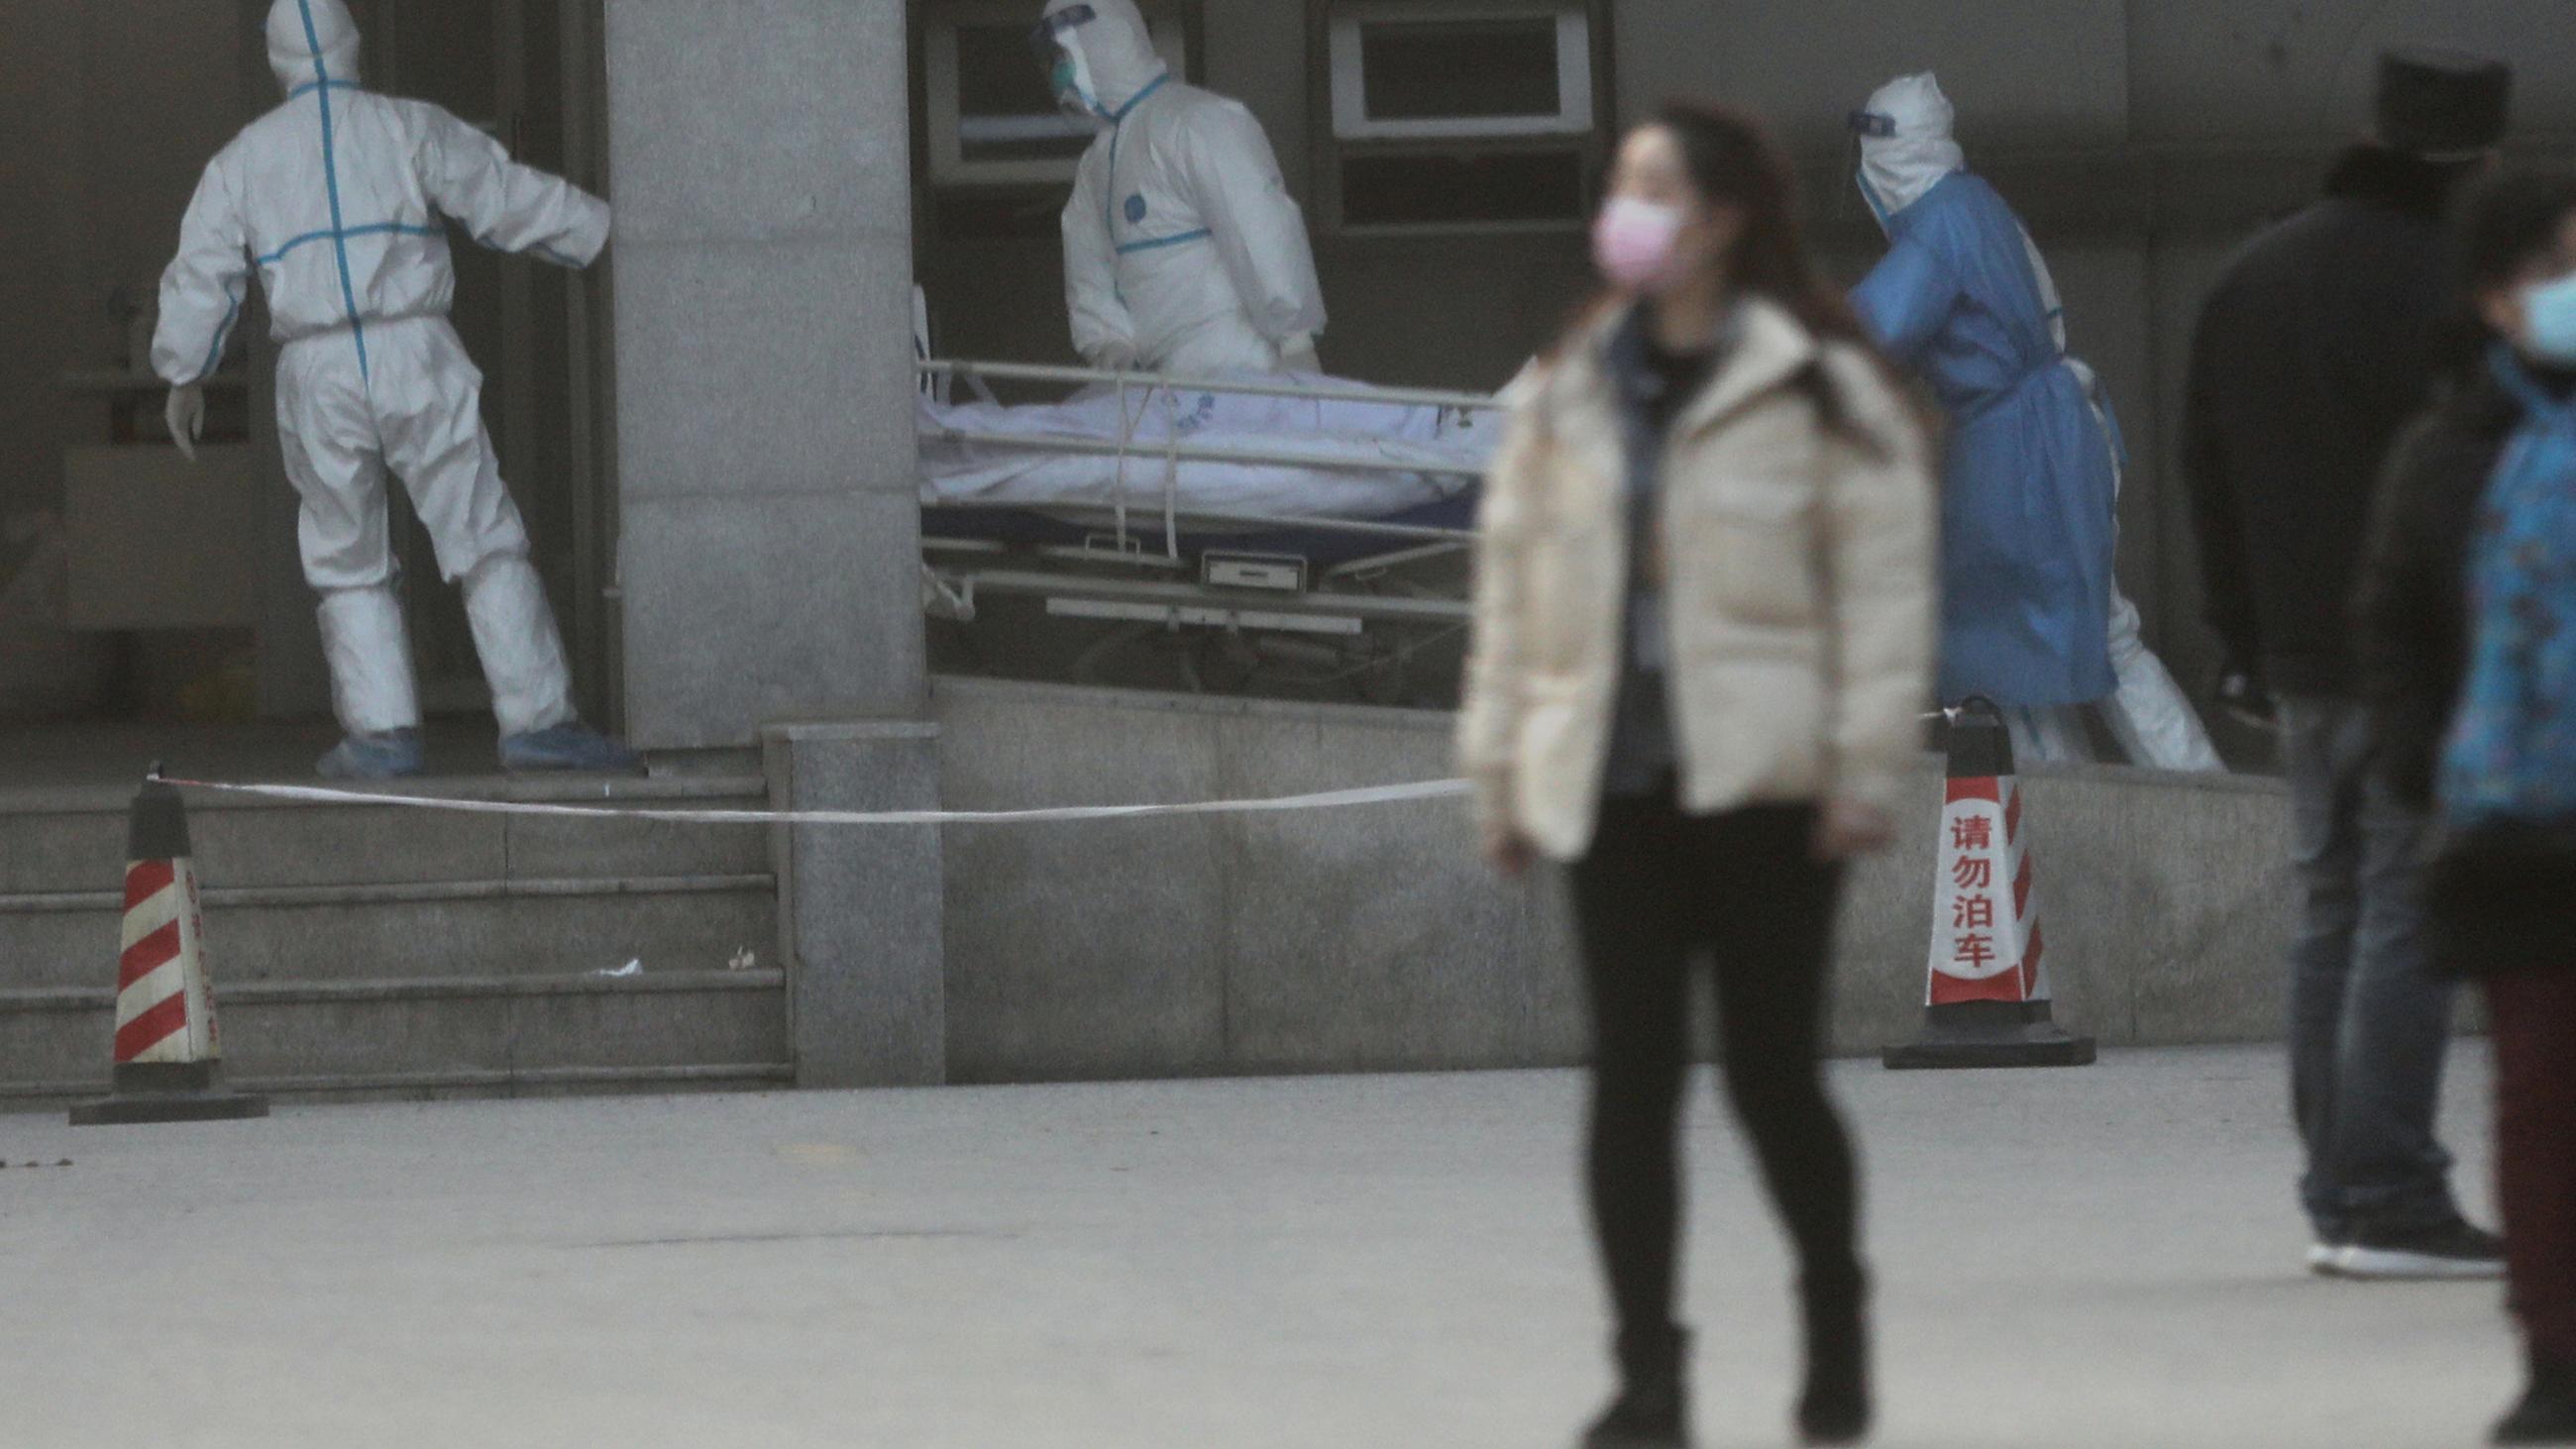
769,551
769,546
859,907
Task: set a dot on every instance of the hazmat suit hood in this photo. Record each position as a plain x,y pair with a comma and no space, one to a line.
309,40
1112,53
1898,168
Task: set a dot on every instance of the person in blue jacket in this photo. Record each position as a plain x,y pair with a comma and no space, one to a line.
2031,615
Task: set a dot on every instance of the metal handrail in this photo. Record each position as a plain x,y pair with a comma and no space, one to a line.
1244,387
1317,523
1249,457
1380,607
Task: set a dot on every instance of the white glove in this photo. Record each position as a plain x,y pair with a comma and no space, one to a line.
186,414
1115,357
1297,354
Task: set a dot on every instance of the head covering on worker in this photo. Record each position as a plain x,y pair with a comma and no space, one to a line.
2442,105
312,42
1183,251
1098,56
1964,300
338,201
1905,143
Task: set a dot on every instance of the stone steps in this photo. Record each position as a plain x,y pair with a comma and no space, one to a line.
473,928
71,841
373,949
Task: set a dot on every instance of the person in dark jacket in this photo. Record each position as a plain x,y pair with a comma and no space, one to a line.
2317,345
2467,643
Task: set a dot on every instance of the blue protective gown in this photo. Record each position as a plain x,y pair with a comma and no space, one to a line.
2027,524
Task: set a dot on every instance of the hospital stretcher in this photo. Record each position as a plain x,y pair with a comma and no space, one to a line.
1268,530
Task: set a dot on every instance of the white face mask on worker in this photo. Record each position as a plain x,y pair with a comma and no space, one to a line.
2549,321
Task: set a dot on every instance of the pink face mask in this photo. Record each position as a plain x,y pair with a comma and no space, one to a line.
1634,244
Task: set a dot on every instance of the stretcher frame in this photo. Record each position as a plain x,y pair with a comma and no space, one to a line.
1136,564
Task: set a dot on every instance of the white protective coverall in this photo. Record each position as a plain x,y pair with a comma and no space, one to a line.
2147,713
1183,251
335,199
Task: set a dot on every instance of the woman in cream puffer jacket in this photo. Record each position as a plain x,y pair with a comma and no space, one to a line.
1798,577
1703,641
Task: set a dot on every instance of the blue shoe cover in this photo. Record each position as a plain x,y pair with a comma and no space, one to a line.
569,747
388,756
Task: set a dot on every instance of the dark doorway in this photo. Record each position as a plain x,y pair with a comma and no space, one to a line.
532,74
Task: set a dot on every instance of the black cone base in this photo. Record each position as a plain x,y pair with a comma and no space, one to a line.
1990,1034
193,1092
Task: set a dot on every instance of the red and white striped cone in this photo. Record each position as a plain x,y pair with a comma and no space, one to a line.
1987,1004
168,1058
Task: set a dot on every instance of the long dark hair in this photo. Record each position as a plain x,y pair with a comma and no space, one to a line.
1733,161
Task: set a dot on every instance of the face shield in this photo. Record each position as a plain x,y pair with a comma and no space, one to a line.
1865,127
1059,55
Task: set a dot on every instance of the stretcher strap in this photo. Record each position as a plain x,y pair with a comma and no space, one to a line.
1126,440
1171,474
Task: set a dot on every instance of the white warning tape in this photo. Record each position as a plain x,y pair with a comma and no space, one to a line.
1324,800
1327,800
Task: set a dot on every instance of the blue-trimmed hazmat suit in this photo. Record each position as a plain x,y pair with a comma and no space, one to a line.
2032,616
1183,251
335,201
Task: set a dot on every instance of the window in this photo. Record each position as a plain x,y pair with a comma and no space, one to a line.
990,119
1402,69
1462,114
1499,187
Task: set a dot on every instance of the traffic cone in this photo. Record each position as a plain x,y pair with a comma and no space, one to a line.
1987,1004
168,1059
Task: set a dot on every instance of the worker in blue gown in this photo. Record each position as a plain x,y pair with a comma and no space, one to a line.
2031,615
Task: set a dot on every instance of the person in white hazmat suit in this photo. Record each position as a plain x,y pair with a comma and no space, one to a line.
1965,298
334,200
1183,251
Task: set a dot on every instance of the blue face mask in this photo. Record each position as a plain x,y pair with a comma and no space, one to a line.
1073,98
1052,41
2549,321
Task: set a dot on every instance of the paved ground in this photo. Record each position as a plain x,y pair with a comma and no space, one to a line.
2097,1258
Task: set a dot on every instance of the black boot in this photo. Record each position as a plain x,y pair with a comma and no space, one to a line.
2547,1413
1652,1410
1835,1407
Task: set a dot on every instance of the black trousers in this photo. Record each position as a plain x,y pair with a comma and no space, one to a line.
1663,894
